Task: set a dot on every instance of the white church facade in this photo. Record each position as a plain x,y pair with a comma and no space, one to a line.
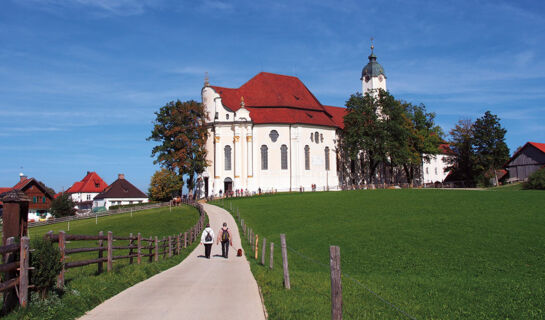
273,134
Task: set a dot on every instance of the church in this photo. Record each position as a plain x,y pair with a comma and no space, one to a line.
273,134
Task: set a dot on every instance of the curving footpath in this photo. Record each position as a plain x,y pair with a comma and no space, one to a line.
197,288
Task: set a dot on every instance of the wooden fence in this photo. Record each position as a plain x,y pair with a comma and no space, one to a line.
16,266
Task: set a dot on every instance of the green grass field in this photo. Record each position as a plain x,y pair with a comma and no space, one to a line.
84,288
434,254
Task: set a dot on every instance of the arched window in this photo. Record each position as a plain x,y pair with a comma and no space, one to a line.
284,157
327,158
227,151
264,157
312,137
307,157
316,137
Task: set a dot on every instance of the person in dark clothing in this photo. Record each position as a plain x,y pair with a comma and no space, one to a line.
224,236
207,238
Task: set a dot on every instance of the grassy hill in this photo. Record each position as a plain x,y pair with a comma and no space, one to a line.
432,254
84,289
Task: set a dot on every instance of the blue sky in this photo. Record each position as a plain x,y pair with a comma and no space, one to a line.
80,79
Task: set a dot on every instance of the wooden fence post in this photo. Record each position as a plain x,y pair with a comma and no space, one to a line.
156,249
164,247
139,252
150,245
62,247
263,251
131,243
100,252
110,264
256,246
9,296
178,243
169,246
336,288
272,256
23,272
185,239
285,261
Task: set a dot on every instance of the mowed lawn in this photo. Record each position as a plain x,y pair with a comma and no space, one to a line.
433,254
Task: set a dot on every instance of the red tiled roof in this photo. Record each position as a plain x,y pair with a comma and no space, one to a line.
21,184
540,146
91,183
275,98
338,114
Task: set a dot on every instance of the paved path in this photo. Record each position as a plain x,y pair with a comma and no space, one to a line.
197,288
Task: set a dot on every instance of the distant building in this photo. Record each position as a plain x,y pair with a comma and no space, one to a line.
83,192
40,204
120,192
526,161
433,171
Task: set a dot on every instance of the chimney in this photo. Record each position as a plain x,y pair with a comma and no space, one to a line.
121,176
22,176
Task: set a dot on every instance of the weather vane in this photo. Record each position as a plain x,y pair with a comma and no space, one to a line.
372,46
206,82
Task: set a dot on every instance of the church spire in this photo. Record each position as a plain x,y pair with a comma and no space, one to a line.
206,82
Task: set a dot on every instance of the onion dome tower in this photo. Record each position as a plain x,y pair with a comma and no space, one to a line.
372,75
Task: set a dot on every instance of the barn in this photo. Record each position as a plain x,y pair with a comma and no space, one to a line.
526,161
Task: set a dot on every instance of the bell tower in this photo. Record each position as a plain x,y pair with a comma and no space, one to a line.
373,77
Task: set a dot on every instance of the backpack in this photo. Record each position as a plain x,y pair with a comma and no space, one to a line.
208,237
225,235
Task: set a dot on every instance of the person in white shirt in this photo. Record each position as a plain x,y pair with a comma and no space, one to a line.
207,238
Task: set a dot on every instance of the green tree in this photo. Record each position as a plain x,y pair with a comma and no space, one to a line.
180,130
165,185
424,139
491,151
63,206
364,131
461,163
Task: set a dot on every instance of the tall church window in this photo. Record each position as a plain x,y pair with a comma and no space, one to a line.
327,158
264,157
284,157
312,137
307,157
316,137
227,151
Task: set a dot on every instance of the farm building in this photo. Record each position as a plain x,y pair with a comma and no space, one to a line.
83,192
40,196
120,192
526,161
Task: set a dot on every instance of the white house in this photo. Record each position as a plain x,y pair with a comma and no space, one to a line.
83,192
120,192
433,170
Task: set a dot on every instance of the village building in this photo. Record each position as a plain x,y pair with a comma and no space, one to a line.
83,192
273,134
120,192
528,159
433,168
41,198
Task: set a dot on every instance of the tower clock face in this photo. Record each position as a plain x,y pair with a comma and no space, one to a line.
367,78
380,78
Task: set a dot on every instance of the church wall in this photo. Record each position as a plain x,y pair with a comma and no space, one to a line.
434,169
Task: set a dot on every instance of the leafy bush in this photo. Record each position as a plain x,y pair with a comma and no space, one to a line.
46,261
536,180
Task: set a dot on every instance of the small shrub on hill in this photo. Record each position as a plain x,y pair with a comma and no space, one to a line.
46,261
536,180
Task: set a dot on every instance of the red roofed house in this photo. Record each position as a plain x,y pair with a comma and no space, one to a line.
526,161
83,192
41,198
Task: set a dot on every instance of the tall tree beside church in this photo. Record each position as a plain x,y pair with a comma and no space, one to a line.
179,128
424,138
491,151
461,163
363,130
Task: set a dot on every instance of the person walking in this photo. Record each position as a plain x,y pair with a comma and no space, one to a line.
224,236
207,238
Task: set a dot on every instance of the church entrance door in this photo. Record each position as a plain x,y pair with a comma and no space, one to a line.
206,187
228,186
